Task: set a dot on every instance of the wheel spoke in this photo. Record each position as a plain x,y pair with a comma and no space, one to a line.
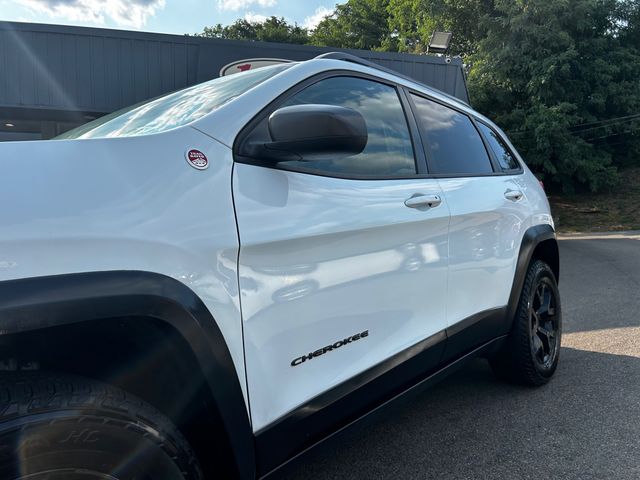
538,347
544,310
546,332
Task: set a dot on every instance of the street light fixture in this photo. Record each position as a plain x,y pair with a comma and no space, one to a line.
439,42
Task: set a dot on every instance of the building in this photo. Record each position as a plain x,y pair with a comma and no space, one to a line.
54,77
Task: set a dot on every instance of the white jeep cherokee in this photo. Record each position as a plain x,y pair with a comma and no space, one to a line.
209,283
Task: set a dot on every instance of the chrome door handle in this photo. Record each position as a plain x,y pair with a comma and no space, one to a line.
422,201
513,195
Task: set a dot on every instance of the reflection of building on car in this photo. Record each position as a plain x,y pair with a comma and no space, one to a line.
209,283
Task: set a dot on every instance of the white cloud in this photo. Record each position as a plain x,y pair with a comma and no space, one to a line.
131,13
235,5
254,17
313,20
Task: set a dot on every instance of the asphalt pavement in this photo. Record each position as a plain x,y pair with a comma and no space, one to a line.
584,424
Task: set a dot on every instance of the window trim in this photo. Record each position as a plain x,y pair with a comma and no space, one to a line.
497,170
510,171
412,92
412,127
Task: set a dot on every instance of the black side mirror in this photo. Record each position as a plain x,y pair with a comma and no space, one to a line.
312,132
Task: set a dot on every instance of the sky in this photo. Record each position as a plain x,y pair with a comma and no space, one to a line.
167,16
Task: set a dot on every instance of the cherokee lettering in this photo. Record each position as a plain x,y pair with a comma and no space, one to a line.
321,351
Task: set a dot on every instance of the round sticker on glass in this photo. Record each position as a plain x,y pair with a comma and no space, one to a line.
197,159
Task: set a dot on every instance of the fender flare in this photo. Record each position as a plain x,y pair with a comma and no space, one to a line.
533,237
41,302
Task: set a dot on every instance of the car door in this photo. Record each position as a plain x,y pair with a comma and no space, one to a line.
332,256
487,200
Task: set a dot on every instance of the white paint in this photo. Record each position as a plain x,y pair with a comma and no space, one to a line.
322,258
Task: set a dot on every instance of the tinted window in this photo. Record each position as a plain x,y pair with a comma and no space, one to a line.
502,153
453,143
389,152
175,109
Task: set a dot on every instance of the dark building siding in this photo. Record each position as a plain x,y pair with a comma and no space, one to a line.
62,73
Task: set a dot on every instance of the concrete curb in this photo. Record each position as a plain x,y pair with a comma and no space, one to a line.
630,234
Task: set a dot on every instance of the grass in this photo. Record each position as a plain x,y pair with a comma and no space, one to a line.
600,212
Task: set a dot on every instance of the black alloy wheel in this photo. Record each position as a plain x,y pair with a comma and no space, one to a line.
531,351
544,324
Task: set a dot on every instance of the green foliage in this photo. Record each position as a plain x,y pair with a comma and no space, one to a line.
558,77
273,29
413,21
356,24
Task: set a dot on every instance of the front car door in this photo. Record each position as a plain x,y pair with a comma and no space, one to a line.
337,274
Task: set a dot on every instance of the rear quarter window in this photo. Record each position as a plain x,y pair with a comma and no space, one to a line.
504,156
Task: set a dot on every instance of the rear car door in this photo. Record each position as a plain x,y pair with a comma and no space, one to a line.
486,195
332,256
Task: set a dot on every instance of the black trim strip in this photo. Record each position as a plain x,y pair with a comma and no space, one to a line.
473,331
33,303
332,410
531,239
394,399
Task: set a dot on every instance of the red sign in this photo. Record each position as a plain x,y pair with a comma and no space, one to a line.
197,159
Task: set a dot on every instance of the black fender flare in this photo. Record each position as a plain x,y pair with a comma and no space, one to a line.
41,302
532,237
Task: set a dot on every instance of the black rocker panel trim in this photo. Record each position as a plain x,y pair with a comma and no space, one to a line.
290,437
40,302
473,331
333,410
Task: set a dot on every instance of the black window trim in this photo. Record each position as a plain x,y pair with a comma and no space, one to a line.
412,127
497,170
510,171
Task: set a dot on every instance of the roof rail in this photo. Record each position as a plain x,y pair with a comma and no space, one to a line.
348,57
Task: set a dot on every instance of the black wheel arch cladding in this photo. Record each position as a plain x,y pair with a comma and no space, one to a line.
41,302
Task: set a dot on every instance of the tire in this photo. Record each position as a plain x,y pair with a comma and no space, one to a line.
532,350
55,427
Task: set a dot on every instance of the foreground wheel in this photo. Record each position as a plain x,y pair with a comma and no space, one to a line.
531,353
61,427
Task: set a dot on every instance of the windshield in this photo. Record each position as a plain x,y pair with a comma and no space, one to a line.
175,109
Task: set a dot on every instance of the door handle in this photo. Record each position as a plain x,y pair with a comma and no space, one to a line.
421,201
513,195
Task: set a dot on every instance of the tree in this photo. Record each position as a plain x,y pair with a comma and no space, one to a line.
413,22
356,24
558,77
272,29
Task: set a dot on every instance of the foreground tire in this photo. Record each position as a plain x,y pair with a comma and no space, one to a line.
55,427
531,353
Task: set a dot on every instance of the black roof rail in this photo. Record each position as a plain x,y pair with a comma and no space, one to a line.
348,57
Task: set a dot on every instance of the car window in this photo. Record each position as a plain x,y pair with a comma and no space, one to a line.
389,152
451,140
502,153
175,109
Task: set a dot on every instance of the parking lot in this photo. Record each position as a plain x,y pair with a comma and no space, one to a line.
585,424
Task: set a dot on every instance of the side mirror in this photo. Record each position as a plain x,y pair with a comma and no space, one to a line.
312,132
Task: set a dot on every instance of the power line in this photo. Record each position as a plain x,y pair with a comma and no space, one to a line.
601,124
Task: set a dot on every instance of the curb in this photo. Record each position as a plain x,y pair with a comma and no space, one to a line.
629,234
